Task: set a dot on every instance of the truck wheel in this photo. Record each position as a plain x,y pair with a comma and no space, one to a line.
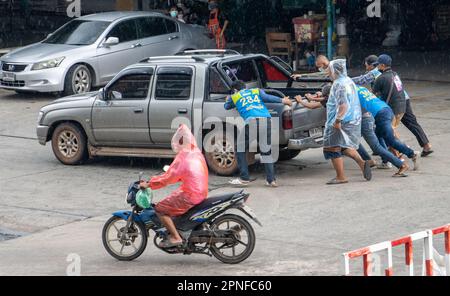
78,80
287,154
220,155
69,144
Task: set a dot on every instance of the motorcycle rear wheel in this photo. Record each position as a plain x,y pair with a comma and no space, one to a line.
112,233
240,225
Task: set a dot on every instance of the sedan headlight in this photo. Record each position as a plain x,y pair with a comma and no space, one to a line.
40,116
48,64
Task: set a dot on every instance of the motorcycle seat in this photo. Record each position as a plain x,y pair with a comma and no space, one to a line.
211,201
183,223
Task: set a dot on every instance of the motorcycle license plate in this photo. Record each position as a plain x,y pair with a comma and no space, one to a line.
7,76
316,132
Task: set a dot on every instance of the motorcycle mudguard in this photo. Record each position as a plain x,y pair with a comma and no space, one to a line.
125,215
145,217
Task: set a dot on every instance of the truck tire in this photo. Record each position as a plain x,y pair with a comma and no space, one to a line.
220,155
78,80
288,154
69,144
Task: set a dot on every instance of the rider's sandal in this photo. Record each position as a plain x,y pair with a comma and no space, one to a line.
165,244
337,182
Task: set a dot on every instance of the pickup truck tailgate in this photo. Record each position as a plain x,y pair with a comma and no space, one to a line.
306,120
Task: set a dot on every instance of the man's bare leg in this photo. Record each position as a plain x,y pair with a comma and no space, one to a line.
353,154
168,223
364,165
338,164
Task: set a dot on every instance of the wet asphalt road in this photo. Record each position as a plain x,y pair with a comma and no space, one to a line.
59,210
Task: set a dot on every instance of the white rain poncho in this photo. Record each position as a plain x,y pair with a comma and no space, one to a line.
343,92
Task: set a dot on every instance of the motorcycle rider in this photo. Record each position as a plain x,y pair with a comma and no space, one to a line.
189,167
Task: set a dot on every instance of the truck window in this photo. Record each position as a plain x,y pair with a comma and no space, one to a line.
243,70
130,87
216,83
172,86
218,89
270,73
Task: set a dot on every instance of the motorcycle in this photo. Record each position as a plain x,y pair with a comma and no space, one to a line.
207,229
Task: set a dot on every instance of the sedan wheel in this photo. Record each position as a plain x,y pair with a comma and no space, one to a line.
78,80
81,80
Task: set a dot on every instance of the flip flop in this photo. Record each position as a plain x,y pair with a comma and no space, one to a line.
367,171
399,175
426,153
336,182
166,244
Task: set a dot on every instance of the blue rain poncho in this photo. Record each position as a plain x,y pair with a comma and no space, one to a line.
343,92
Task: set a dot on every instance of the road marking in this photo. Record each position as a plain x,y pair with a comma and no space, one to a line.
19,137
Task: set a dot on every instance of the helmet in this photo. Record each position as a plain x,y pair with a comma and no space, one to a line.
144,198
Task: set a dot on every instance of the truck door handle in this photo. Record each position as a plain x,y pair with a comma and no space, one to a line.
137,111
173,37
136,45
182,111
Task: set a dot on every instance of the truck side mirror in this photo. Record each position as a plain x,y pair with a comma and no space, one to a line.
102,94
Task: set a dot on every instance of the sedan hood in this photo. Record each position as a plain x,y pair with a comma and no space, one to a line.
39,52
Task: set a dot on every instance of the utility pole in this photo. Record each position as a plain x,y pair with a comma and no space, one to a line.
330,30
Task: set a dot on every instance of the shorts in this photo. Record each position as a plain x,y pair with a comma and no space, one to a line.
176,204
333,152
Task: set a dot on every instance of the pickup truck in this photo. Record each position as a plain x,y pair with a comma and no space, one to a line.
133,115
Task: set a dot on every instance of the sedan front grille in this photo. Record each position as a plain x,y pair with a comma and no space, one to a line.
17,83
13,67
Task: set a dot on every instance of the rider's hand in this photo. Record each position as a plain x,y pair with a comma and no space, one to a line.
143,185
287,101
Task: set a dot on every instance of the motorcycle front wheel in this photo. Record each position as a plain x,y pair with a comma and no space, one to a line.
243,235
121,243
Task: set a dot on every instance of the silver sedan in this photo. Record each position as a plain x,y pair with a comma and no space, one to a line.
89,51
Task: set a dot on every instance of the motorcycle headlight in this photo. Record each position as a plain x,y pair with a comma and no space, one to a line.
53,63
40,116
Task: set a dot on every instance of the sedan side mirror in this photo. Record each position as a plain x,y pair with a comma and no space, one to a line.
111,41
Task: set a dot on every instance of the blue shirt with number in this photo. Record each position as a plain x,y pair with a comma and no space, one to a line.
250,103
370,102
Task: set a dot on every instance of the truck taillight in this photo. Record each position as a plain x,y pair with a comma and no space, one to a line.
287,120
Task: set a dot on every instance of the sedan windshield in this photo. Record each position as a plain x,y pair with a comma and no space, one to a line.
78,32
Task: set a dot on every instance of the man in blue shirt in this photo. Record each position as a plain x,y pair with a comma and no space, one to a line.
409,118
250,105
371,106
383,115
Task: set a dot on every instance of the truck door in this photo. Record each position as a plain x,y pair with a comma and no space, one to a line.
120,118
171,102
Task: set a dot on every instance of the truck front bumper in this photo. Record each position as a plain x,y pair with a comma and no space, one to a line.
42,134
305,143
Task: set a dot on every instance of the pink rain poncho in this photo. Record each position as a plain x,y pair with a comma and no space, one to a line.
189,167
